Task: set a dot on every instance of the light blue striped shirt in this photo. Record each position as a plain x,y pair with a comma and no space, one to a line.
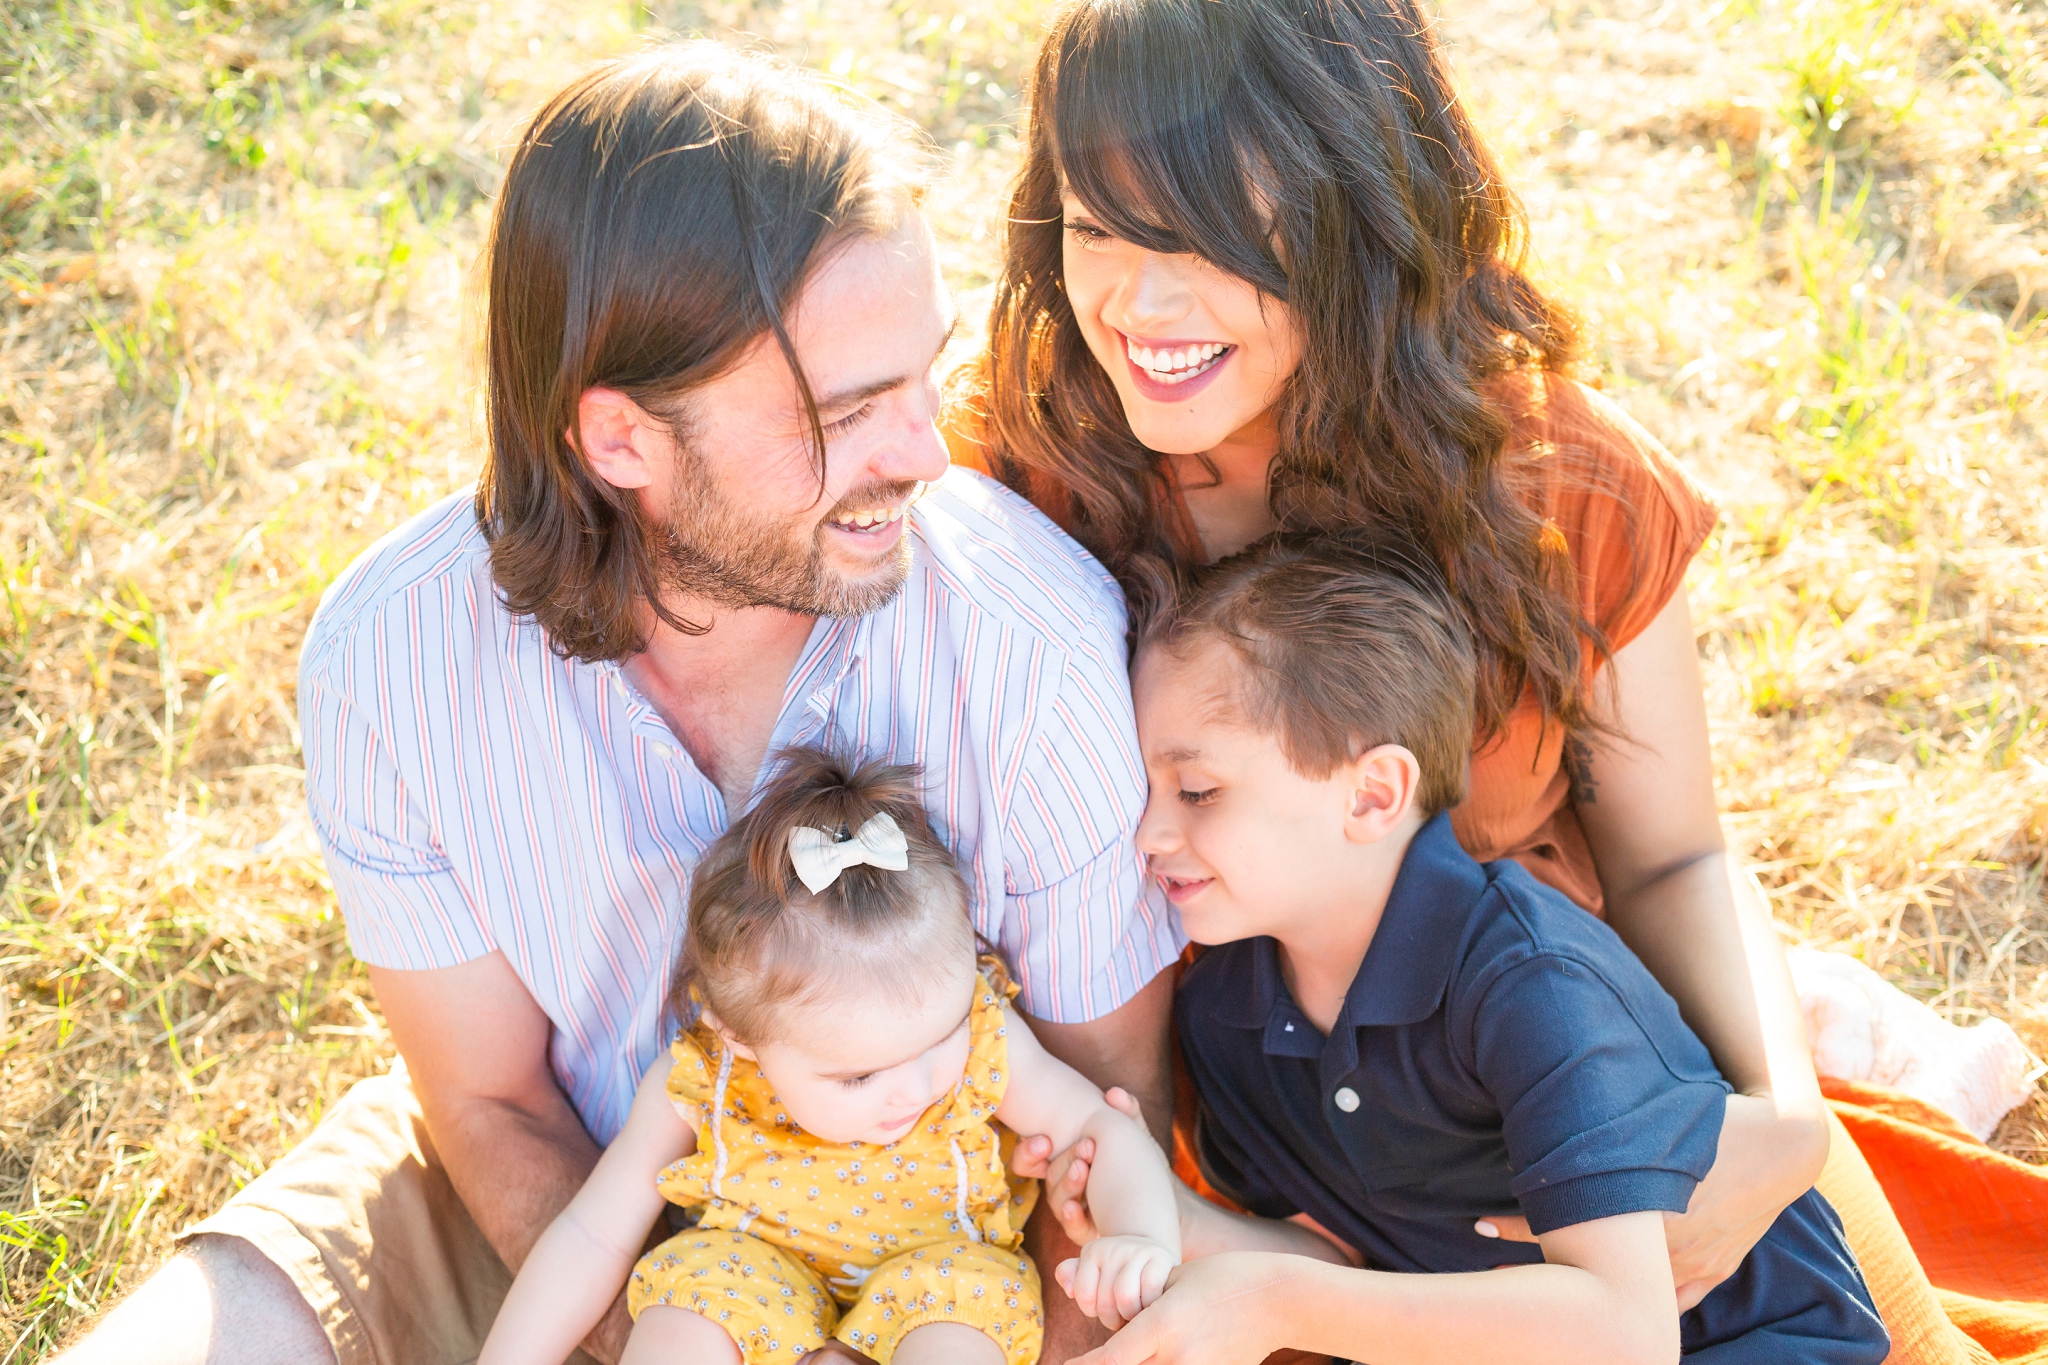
474,792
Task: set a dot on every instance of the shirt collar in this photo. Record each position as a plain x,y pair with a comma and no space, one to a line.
1409,962
836,644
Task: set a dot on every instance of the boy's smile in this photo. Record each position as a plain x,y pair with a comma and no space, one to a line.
1246,845
1239,841
1181,890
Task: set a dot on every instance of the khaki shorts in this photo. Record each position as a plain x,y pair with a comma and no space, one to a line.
362,1218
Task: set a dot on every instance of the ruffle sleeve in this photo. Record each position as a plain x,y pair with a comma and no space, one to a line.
690,1078
987,1078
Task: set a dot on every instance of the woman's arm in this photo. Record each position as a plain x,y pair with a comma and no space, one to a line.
1603,1298
583,1259
1646,802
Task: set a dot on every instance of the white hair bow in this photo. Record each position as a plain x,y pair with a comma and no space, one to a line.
819,858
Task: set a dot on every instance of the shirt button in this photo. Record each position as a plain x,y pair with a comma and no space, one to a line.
1347,1099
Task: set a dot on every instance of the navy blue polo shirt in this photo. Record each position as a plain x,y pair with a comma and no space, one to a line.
1500,1051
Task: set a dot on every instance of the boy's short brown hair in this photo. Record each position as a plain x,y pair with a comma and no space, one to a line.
1345,641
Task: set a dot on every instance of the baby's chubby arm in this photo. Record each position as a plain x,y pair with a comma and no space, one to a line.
1130,1188
582,1261
1205,1229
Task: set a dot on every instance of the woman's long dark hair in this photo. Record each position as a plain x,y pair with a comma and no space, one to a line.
1318,150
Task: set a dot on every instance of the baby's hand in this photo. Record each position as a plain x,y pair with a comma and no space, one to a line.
1115,1277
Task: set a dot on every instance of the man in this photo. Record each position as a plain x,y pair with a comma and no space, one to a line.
698,538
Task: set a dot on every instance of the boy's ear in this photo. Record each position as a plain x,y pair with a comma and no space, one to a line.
725,1035
1384,781
613,436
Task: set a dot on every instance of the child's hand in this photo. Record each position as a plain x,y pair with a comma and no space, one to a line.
1114,1278
1066,1173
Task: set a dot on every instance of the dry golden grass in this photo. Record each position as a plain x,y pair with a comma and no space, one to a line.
235,242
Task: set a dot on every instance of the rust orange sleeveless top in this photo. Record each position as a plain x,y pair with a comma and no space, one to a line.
1632,519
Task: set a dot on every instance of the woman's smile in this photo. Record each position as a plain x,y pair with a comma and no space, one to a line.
1173,370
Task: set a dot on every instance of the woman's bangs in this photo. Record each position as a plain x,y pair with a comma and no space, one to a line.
1151,131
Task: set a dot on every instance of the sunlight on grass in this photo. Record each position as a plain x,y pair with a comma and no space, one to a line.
237,250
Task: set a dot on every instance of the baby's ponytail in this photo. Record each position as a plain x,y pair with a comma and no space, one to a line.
758,938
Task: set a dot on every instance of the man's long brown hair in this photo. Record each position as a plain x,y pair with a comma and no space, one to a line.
659,217
1318,150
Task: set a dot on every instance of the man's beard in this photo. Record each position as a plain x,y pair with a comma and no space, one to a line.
713,551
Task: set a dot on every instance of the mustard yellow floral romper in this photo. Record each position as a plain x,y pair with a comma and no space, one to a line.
800,1240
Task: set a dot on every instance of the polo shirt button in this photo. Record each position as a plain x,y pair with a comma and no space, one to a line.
1347,1099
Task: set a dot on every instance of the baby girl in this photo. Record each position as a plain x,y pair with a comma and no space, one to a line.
831,1115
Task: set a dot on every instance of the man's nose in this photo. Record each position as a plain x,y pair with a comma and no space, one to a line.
915,451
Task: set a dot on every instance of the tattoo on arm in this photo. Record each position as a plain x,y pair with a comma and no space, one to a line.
1577,762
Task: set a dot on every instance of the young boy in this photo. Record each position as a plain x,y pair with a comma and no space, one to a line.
1397,1042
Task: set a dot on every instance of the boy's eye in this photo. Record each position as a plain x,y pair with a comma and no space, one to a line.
1200,798
850,421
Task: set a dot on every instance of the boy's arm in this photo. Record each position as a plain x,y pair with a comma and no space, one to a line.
1605,1298
583,1259
1207,1230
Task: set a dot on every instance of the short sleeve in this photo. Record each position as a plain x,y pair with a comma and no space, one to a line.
1608,1103
1631,516
1081,929
400,896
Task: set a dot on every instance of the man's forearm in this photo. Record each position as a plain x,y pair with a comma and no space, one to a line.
1131,1046
516,1166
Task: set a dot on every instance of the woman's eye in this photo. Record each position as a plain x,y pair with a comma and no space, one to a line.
1087,234
850,421
1200,798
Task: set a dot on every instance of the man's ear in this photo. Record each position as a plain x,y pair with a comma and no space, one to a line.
615,436
1383,784
710,1021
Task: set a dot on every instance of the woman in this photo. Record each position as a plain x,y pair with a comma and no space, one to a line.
1262,272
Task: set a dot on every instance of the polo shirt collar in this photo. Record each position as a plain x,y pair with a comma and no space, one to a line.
1408,965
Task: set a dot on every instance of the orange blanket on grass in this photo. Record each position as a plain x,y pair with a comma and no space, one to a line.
1977,1220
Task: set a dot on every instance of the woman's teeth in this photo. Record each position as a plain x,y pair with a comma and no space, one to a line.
869,520
1175,365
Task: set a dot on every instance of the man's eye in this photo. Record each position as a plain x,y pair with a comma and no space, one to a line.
850,421
1087,234
1200,798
